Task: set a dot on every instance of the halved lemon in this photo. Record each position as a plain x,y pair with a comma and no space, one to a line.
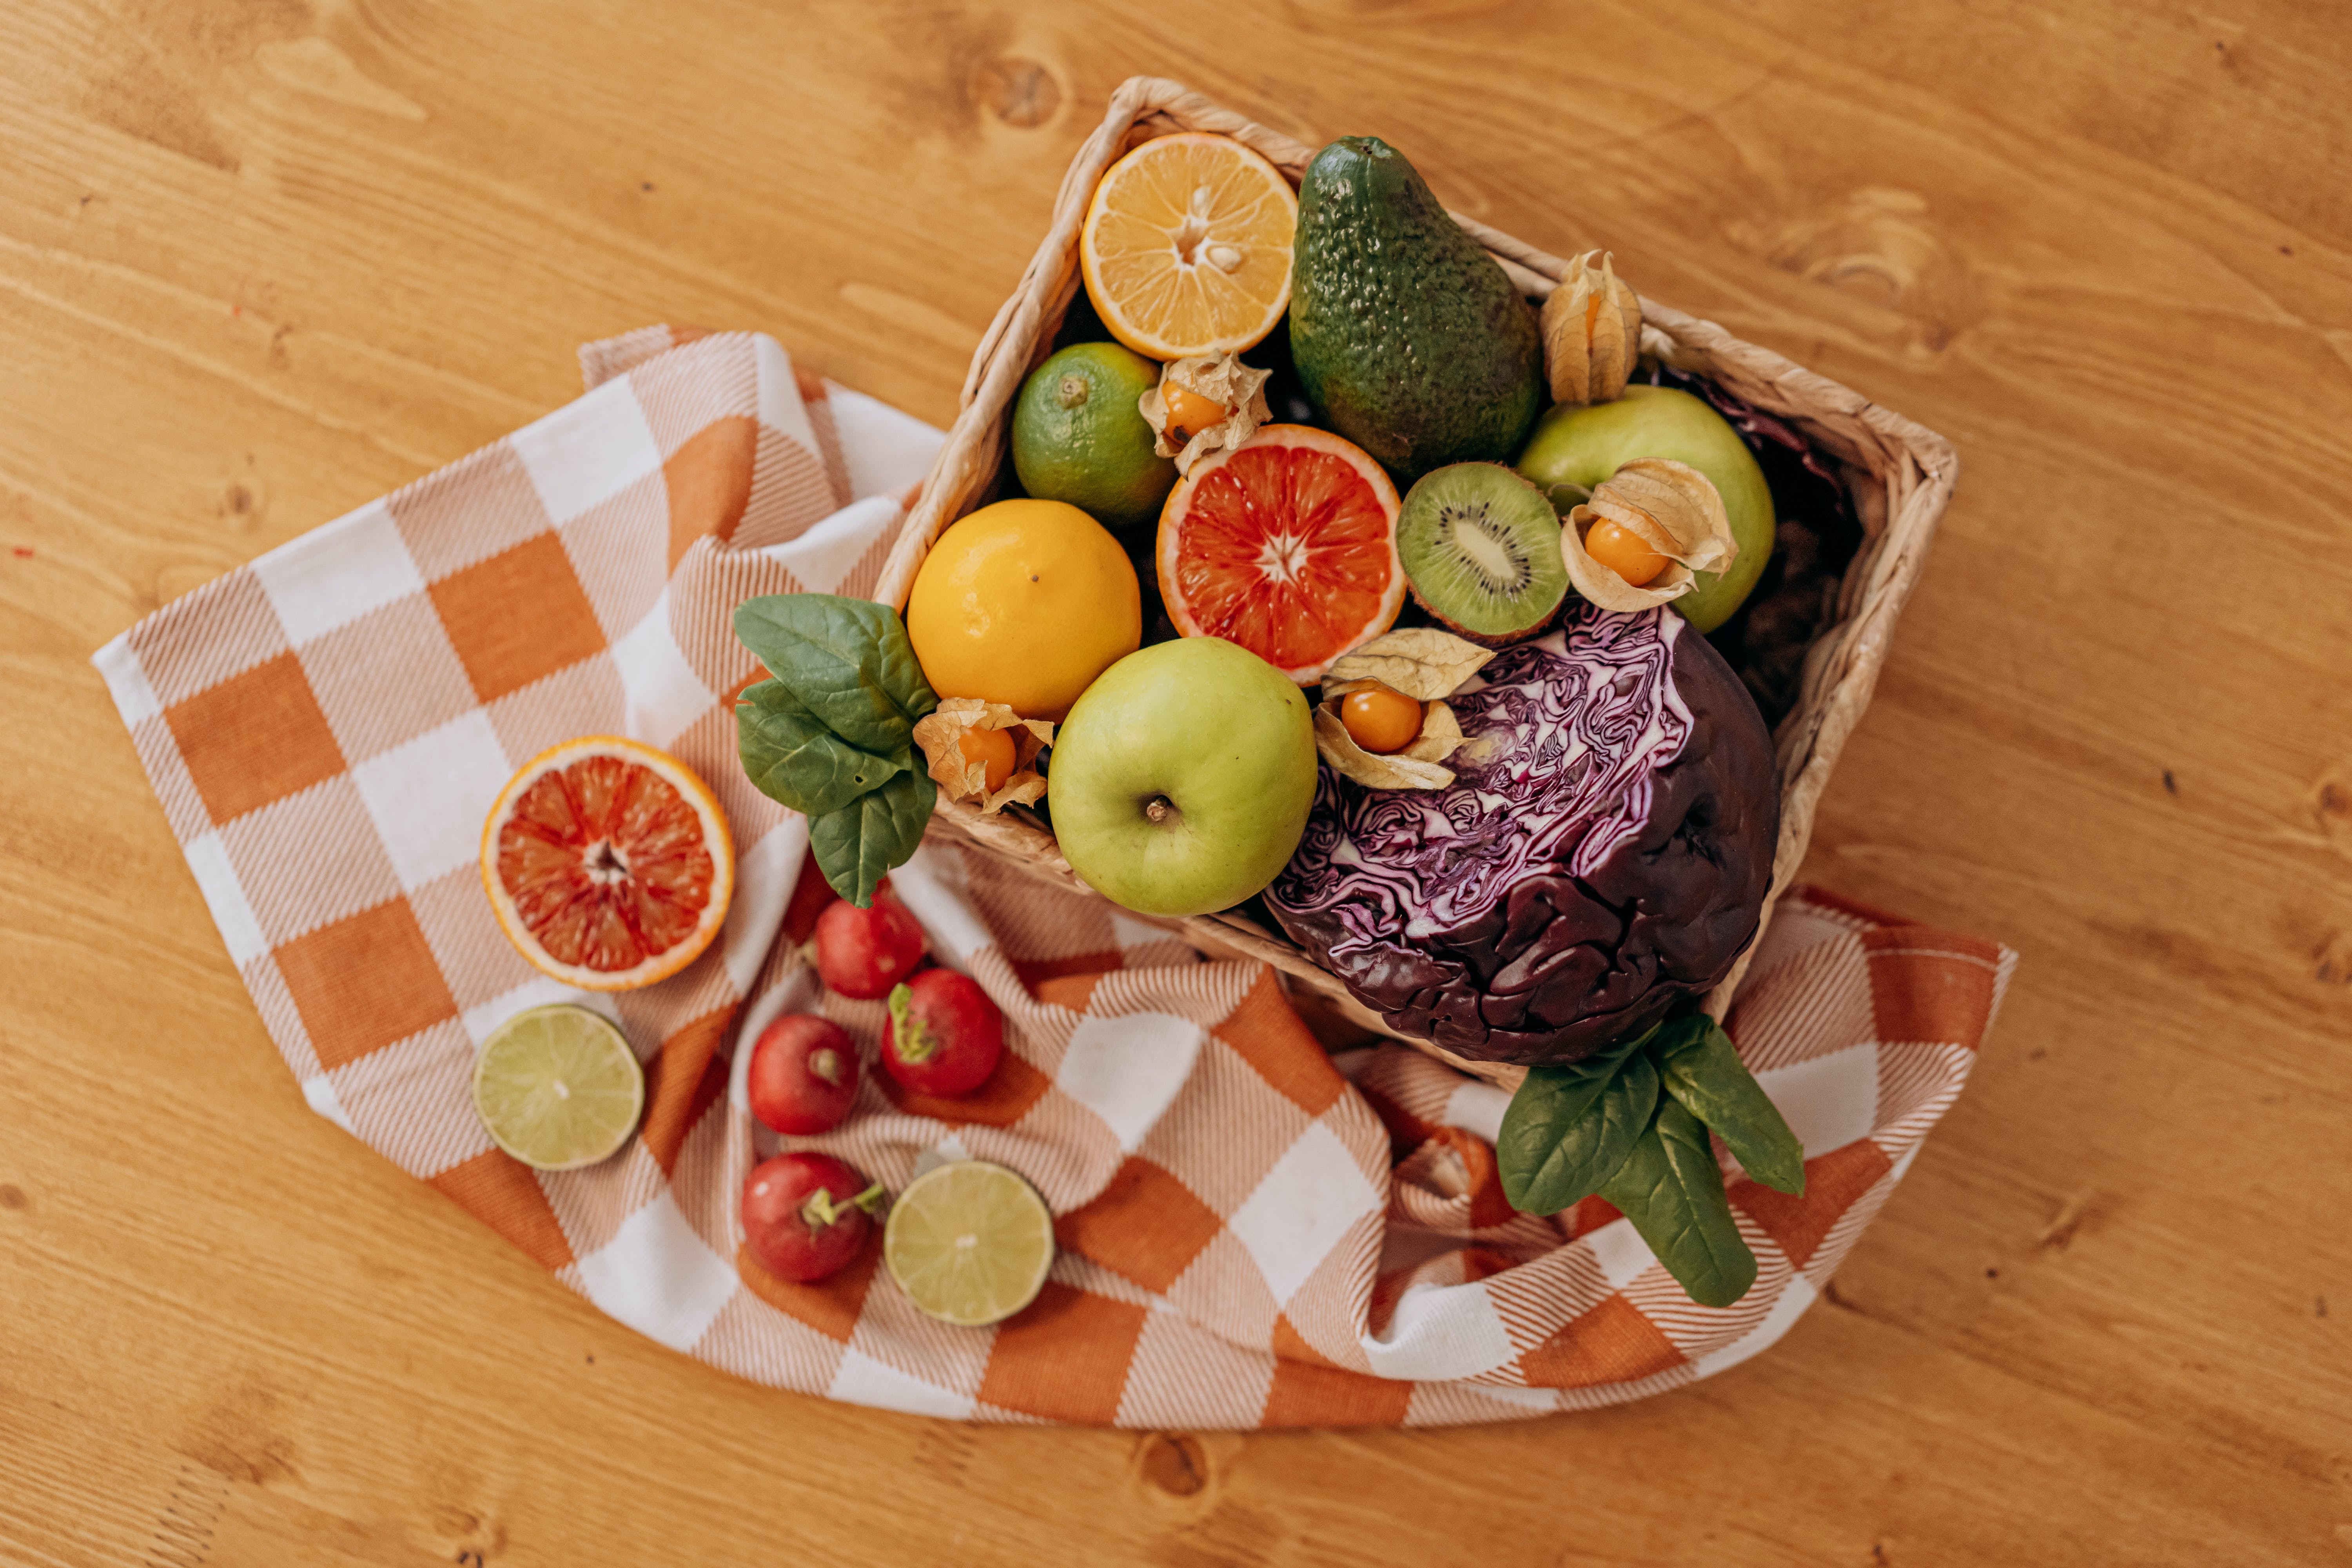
1186,247
557,1088
970,1242
608,863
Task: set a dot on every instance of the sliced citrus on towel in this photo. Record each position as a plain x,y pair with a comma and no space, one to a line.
1186,247
1285,544
970,1242
557,1088
608,863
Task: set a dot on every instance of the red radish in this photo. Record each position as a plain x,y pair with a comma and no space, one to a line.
944,1036
803,1075
864,952
805,1215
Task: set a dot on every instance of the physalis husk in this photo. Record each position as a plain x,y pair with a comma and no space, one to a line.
1220,379
1672,508
1422,663
1591,332
961,777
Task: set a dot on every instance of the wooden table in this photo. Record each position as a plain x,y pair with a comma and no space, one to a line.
261,262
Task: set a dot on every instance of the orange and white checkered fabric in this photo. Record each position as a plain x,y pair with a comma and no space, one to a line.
1254,1234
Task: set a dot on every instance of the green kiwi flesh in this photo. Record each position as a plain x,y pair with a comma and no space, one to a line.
1481,548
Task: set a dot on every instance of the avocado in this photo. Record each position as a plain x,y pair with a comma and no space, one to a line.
1409,339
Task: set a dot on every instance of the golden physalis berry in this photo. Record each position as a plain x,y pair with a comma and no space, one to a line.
992,750
1623,551
1189,413
1381,720
984,752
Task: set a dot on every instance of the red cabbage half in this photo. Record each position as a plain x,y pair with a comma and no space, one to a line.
1602,852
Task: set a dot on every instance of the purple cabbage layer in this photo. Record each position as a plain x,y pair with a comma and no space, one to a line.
1603,853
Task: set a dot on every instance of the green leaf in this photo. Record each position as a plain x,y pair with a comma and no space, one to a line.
857,845
791,757
847,660
1703,1073
1672,1190
1567,1128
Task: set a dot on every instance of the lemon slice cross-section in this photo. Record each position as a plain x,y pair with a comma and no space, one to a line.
1186,247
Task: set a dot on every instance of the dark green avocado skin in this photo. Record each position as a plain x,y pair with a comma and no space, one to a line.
1408,338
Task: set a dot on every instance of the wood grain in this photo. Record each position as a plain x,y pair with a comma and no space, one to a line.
261,260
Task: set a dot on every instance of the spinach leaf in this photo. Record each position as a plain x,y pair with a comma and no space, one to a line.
1567,1128
847,660
1699,1067
789,755
832,734
1672,1190
857,844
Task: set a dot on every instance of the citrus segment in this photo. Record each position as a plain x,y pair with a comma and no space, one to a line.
557,1088
1186,247
608,863
970,1242
1285,544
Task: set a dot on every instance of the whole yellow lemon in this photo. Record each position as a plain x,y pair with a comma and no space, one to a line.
1023,603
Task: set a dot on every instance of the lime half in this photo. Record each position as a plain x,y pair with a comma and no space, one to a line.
557,1088
969,1242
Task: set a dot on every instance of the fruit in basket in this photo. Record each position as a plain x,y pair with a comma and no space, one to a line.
1602,855
861,953
944,1036
803,1076
1592,330
1409,339
1284,546
607,863
1380,718
805,1215
1183,777
1186,247
1654,507
1481,546
1079,435
1023,603
1574,449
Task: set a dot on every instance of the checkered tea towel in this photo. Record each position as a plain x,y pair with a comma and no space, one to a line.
1252,1234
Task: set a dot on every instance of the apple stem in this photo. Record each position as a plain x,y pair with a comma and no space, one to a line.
1159,809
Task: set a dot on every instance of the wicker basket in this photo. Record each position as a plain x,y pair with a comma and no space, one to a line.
1899,474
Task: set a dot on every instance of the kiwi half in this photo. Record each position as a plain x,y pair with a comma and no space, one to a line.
1481,548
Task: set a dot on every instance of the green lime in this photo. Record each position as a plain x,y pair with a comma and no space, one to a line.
557,1088
1078,437
970,1242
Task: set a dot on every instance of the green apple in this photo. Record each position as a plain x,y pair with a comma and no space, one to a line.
1182,780
1574,449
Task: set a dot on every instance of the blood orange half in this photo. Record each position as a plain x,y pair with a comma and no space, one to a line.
1285,544
608,863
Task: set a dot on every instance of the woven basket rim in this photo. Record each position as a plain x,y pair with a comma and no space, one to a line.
1900,475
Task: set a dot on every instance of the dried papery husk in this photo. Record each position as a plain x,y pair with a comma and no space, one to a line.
1591,332
1412,767
1673,508
1223,379
941,735
1421,662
